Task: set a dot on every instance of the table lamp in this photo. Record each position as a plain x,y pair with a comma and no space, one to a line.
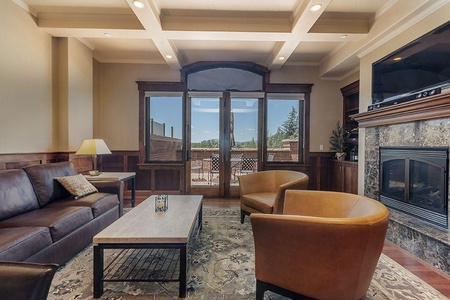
93,147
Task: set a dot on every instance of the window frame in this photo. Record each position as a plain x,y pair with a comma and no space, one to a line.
289,89
144,86
151,86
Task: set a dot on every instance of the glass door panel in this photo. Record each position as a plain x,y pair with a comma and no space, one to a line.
243,137
205,142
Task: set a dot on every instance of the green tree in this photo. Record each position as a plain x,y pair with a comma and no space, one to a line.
206,144
289,128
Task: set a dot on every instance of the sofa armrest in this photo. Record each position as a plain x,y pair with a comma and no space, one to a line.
112,187
25,281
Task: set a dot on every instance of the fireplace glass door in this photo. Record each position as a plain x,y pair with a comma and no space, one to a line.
425,186
393,185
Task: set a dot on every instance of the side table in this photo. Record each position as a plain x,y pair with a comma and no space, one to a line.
118,176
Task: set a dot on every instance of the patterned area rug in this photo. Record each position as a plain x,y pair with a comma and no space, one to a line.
222,267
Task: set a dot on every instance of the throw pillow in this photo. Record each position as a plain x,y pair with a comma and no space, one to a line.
77,185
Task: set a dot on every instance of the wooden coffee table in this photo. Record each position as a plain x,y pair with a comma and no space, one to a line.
148,231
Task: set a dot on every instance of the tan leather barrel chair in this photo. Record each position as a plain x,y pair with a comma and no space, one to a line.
325,245
263,192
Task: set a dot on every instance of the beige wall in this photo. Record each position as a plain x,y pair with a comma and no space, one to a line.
80,94
118,116
26,116
74,94
46,87
420,28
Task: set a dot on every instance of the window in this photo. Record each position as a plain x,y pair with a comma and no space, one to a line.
285,127
163,126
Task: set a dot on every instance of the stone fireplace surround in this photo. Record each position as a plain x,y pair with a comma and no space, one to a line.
418,123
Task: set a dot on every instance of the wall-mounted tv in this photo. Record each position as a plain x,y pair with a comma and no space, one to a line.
419,69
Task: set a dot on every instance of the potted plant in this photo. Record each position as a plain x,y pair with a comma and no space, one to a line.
338,141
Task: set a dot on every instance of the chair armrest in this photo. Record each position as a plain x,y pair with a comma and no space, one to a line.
301,184
25,281
112,187
304,254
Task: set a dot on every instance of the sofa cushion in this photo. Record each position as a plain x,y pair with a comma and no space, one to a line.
16,194
77,185
98,202
43,179
19,243
60,220
262,202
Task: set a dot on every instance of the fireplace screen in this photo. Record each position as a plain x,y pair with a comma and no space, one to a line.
415,181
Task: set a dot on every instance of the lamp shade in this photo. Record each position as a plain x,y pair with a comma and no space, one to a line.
93,147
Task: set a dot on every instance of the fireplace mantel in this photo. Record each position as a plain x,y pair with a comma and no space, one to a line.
434,107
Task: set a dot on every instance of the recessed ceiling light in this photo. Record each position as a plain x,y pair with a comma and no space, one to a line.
397,58
138,3
315,7
107,34
281,58
344,36
168,56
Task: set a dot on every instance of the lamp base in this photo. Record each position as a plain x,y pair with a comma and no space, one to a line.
94,173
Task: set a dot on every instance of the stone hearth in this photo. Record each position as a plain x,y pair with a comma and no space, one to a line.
426,241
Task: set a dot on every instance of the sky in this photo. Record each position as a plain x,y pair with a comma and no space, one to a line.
205,116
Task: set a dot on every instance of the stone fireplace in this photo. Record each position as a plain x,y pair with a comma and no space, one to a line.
423,123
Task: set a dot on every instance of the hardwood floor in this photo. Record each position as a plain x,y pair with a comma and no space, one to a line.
434,277
437,279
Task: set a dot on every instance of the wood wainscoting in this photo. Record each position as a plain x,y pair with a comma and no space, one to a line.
20,160
318,169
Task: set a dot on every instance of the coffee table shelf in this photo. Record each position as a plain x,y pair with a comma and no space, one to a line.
150,265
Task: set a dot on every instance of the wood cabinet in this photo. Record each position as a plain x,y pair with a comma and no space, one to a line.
350,100
344,176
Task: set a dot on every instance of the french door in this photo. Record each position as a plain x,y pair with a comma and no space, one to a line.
222,140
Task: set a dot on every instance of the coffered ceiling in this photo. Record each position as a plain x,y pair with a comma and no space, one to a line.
271,33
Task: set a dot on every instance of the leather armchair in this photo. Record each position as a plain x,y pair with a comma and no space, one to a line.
325,245
263,192
25,281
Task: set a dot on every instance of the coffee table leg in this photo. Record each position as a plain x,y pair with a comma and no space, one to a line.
133,191
200,218
98,271
183,271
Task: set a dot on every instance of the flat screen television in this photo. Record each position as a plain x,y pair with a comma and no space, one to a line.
421,68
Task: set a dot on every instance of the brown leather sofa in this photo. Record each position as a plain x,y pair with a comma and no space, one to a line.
326,245
40,221
263,192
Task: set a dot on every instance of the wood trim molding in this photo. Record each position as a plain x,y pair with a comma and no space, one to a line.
350,89
429,108
207,65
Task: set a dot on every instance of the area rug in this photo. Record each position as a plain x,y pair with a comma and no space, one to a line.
222,267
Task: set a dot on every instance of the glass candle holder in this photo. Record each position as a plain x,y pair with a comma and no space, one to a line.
161,203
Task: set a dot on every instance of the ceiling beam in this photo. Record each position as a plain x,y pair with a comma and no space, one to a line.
304,19
149,16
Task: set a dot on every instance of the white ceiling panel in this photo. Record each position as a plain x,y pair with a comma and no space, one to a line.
267,32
